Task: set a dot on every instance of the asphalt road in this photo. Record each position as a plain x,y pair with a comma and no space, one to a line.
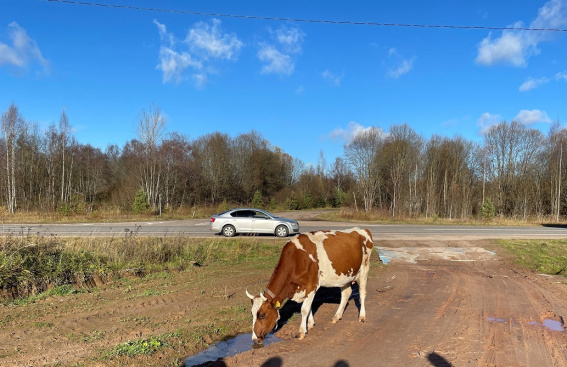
200,228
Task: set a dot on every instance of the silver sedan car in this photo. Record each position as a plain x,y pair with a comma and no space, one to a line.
248,220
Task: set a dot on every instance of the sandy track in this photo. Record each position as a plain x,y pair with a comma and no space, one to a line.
434,312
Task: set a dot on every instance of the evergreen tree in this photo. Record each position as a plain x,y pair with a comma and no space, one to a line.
141,203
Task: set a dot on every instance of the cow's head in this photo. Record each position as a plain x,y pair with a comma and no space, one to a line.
265,315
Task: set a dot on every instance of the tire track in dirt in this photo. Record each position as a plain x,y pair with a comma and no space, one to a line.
435,312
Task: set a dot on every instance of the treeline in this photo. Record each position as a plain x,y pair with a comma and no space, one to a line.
515,172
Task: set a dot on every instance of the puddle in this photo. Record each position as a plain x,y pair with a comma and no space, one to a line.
549,324
493,319
238,344
414,254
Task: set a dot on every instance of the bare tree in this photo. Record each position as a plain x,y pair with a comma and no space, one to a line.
361,154
513,151
12,123
401,150
557,147
151,128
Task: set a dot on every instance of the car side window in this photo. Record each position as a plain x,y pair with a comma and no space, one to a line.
260,215
243,214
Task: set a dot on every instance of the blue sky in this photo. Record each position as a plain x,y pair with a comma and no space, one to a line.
306,87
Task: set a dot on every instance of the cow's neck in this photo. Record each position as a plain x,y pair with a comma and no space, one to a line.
279,287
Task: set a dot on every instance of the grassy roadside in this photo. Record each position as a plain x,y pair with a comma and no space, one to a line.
32,265
542,256
174,296
382,216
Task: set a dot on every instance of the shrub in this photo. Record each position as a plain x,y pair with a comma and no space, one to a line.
487,210
141,204
257,201
291,202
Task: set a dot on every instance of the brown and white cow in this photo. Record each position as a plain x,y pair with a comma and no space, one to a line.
309,261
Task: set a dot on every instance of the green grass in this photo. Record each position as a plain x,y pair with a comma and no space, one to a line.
138,347
543,256
144,346
32,265
40,324
87,338
63,290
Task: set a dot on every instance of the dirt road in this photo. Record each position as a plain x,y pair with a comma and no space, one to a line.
460,308
436,303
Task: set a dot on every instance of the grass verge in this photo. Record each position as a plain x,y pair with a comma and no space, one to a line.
543,256
30,266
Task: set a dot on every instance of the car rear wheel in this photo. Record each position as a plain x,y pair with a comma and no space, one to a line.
282,231
228,231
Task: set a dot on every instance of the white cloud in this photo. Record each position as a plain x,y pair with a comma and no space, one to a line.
561,76
23,51
291,38
532,117
203,43
274,61
515,47
487,120
332,79
509,48
402,67
210,41
277,57
348,134
532,83
200,79
171,62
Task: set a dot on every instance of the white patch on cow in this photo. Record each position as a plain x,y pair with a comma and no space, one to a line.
299,296
255,307
312,258
328,277
297,244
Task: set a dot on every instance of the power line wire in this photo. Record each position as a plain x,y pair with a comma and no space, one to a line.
256,17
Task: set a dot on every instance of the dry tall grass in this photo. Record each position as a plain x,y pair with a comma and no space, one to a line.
383,216
30,265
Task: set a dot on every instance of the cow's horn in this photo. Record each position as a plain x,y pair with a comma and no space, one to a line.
249,295
264,299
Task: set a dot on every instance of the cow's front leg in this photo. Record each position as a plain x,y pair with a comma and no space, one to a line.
346,291
306,314
310,320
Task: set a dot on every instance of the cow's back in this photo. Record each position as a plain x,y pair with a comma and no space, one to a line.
340,255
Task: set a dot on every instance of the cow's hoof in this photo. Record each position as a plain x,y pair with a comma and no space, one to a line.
309,327
301,336
362,319
335,320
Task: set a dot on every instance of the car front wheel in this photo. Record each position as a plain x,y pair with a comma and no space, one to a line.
228,231
282,231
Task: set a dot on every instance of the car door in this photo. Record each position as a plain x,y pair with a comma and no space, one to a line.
262,223
243,220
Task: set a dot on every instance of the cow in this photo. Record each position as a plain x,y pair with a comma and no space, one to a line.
309,261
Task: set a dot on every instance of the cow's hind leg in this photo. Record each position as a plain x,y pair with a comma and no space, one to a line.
306,314
362,279
346,291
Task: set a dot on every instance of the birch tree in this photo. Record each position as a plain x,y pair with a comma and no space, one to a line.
11,125
151,128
